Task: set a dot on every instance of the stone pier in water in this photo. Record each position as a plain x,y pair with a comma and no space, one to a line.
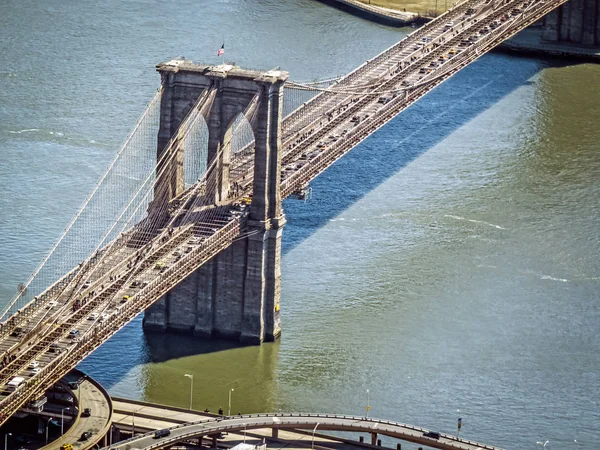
576,22
236,294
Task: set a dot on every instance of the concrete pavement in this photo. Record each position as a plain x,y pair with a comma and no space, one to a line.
90,394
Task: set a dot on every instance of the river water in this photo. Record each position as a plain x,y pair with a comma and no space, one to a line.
449,264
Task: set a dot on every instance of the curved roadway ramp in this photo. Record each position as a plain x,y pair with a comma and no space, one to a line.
89,394
298,421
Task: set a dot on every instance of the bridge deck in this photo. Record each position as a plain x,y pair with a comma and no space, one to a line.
284,421
136,270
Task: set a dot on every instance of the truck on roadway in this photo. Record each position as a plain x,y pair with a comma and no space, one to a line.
14,383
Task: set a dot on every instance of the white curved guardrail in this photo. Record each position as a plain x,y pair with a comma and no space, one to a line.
330,422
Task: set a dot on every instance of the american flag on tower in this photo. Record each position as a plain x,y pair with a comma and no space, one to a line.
221,50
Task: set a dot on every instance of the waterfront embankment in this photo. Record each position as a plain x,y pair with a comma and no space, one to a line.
378,14
530,42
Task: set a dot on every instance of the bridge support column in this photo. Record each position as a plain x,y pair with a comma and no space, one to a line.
155,317
263,276
373,438
577,21
236,294
261,318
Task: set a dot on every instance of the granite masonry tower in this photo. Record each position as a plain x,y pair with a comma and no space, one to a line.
577,22
236,294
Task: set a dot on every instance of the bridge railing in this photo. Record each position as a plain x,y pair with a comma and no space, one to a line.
301,177
104,330
296,120
215,425
242,162
53,291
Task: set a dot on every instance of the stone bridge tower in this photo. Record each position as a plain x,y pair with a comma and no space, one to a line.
236,294
577,22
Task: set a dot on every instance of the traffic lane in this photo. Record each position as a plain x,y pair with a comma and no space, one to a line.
89,396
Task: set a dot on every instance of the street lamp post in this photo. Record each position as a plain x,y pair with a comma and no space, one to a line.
229,409
6,440
62,420
47,425
368,405
191,377
312,445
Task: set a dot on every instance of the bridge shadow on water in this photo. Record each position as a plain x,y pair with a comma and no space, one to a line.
412,133
163,347
433,118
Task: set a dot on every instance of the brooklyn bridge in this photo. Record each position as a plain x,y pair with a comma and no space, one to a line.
193,238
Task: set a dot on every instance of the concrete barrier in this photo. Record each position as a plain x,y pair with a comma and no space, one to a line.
377,14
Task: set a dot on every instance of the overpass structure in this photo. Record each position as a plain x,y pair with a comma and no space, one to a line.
375,427
206,253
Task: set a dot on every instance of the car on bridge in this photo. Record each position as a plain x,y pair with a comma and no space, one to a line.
159,265
432,434
74,384
161,433
15,383
85,435
73,333
17,332
54,348
125,298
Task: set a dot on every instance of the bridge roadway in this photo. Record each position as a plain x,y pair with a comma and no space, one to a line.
89,394
145,417
325,422
124,276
